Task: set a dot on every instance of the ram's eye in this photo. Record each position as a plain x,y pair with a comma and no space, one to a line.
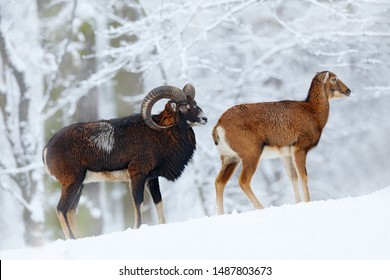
334,80
184,108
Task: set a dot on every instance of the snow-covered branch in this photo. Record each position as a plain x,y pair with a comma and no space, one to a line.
22,169
52,82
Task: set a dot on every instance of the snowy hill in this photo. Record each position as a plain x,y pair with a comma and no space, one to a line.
350,228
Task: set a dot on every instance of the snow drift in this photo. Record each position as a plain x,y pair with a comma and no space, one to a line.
349,228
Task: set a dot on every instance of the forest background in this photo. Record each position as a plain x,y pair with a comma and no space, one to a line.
63,61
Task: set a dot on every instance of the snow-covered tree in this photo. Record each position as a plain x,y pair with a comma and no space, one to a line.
21,136
43,79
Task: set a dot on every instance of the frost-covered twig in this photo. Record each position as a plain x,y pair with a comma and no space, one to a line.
23,169
14,191
60,60
72,95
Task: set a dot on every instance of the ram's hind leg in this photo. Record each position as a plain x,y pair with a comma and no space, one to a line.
229,164
154,190
66,208
249,166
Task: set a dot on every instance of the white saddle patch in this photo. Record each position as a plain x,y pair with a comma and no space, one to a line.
105,139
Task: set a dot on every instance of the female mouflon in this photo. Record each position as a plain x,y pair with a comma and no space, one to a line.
287,129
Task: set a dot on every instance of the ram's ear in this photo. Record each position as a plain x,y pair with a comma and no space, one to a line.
173,106
326,76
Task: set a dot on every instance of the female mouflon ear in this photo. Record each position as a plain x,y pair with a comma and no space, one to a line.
326,76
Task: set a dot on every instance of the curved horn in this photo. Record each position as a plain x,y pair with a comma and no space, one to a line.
190,90
155,95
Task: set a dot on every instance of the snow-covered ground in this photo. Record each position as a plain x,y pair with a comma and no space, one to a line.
350,228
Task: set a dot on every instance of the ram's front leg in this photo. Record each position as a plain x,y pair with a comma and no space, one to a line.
154,190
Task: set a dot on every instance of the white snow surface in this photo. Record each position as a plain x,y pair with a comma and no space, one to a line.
349,228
